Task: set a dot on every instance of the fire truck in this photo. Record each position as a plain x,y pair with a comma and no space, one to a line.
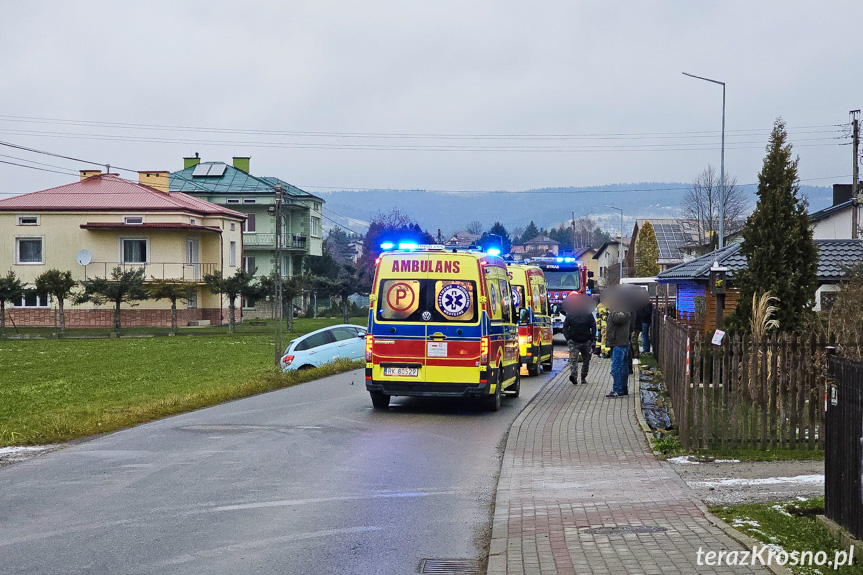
563,275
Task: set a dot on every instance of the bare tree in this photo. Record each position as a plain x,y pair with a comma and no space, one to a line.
702,204
475,227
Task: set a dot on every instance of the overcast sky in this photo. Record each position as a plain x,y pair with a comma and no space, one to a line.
606,69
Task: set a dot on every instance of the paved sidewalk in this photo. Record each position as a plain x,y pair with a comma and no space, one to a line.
575,460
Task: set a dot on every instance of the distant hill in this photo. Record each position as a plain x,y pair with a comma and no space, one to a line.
547,207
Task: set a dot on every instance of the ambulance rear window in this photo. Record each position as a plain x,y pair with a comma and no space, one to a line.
426,300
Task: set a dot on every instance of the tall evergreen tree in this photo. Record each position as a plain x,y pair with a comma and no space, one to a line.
646,252
530,232
490,239
777,241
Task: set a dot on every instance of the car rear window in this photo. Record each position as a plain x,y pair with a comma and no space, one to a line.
344,333
427,300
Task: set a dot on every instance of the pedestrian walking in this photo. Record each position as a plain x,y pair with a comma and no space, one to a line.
617,338
579,329
646,316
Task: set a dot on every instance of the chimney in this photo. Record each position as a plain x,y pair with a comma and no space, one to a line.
90,173
242,163
159,180
190,162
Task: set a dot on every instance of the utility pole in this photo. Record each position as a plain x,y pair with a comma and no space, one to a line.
573,233
277,296
855,191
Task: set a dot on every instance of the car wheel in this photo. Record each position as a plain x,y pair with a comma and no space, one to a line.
547,365
380,400
305,367
493,402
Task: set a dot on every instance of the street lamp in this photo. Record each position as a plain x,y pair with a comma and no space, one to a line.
499,242
620,247
721,162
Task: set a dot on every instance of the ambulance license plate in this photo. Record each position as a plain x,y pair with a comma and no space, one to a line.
402,371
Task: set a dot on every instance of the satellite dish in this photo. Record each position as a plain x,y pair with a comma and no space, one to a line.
84,257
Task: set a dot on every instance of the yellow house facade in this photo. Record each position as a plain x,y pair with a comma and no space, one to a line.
102,222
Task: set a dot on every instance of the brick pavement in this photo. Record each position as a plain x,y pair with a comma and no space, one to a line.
575,460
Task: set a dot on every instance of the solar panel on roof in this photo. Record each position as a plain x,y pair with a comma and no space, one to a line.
201,170
216,170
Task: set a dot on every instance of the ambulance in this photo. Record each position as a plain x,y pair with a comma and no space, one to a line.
441,324
530,300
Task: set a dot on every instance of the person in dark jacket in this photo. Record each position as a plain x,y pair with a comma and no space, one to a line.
580,333
646,317
618,340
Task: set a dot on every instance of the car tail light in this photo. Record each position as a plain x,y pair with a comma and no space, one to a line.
369,342
287,360
483,350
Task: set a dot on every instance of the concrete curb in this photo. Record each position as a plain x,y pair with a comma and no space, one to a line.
844,538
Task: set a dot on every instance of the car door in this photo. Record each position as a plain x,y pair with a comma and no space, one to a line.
315,349
348,343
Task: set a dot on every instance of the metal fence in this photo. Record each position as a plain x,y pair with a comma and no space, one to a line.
193,272
743,393
844,439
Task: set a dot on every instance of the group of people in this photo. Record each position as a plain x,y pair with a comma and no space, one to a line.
619,339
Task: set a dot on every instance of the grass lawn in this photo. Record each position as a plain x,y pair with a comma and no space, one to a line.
791,526
56,390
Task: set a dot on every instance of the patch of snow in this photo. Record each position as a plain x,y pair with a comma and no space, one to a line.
726,461
16,453
683,459
780,509
741,522
801,498
740,481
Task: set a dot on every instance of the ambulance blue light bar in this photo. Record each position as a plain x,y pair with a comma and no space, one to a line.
387,246
408,246
493,251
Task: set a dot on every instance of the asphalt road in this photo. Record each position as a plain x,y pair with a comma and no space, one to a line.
303,480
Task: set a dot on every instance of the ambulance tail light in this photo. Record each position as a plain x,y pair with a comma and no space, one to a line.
483,350
369,343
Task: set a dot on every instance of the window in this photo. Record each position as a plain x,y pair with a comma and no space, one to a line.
232,255
233,226
249,264
134,250
28,250
249,224
32,299
427,301
192,302
314,340
193,221
233,200
316,227
249,201
505,295
133,220
344,333
28,220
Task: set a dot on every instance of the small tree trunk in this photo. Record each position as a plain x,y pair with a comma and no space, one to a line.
345,309
62,315
231,308
290,317
117,317
2,316
173,316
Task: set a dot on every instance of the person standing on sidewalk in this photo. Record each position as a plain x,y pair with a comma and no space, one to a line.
646,316
579,329
617,338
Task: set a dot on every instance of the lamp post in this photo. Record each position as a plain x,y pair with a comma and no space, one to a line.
620,246
499,243
721,163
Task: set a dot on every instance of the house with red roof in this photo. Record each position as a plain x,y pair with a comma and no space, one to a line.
104,221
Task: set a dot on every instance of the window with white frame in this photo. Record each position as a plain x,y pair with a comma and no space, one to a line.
32,299
133,220
232,254
316,227
233,200
28,220
134,250
29,250
249,201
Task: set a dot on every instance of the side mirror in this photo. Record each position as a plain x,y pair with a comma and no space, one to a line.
523,315
589,274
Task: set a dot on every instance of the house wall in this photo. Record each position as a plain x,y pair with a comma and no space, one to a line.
837,226
62,238
731,298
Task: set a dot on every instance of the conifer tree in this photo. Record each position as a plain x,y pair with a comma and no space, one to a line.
646,252
777,241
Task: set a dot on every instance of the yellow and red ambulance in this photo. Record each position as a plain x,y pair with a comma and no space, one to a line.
441,324
530,299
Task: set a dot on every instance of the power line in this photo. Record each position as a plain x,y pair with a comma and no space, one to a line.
32,168
399,135
35,151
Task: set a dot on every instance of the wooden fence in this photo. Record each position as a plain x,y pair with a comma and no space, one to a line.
745,393
843,433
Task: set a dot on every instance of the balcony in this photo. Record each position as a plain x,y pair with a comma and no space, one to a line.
261,240
193,272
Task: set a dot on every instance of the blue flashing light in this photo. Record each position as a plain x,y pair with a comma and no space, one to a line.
493,251
409,246
569,259
387,246
559,260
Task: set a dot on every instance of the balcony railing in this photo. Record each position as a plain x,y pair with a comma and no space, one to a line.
193,272
262,240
